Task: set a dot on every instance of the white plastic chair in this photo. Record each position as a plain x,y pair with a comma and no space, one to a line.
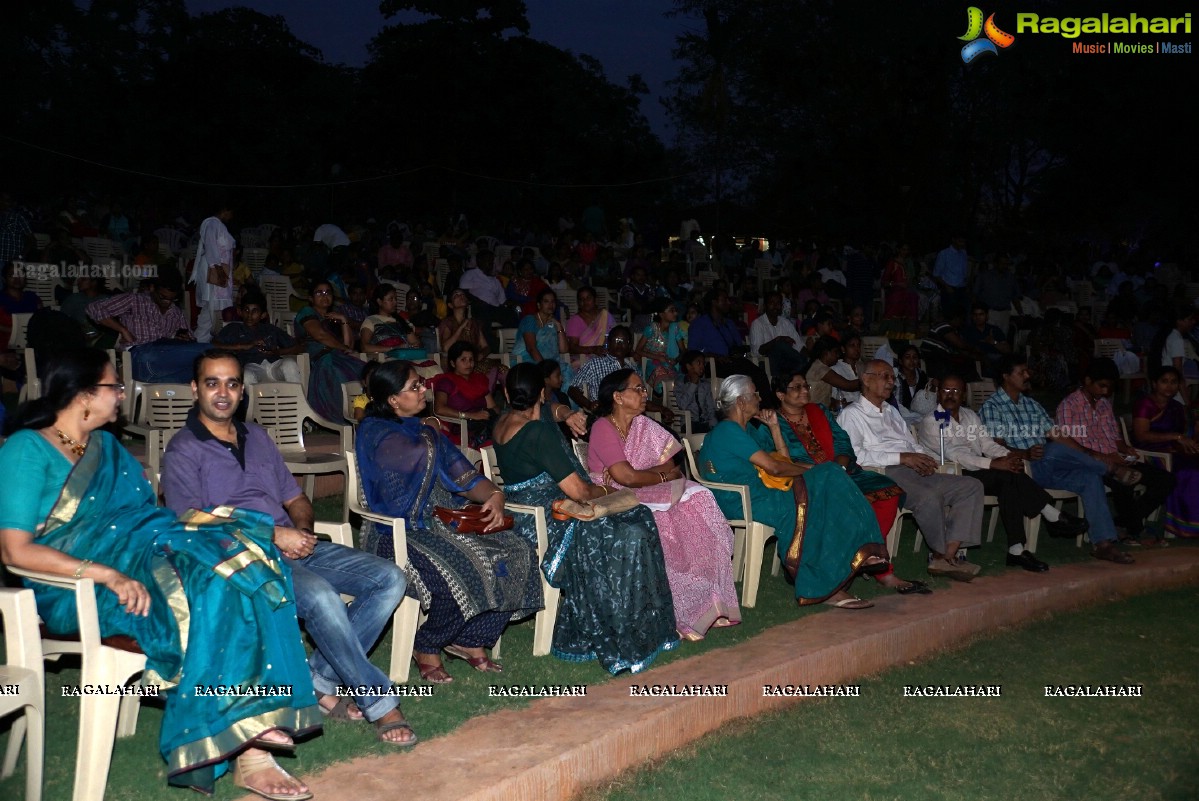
749,536
108,662
406,618
682,417
543,624
281,409
23,670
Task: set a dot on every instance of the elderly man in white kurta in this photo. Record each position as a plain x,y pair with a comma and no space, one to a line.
215,249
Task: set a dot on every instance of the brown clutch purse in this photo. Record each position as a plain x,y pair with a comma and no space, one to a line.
469,520
611,504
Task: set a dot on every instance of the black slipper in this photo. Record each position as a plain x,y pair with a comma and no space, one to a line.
915,588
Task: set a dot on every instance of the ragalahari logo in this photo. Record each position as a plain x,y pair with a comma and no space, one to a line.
974,28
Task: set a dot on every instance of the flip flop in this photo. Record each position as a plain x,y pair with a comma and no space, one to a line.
341,710
383,728
851,603
914,588
1127,476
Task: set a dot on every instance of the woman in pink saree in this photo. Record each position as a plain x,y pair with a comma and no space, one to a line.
628,449
587,331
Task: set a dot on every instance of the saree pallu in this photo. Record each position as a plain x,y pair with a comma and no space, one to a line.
833,537
590,335
547,345
493,572
823,442
662,352
221,612
697,543
615,604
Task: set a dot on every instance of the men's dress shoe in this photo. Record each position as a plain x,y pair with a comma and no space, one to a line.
1067,527
1027,561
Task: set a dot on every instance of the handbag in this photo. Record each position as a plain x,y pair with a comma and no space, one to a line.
611,504
217,275
469,519
776,482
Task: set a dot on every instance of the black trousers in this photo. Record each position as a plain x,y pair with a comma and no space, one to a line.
1131,510
1019,497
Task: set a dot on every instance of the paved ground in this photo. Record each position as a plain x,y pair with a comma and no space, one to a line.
558,746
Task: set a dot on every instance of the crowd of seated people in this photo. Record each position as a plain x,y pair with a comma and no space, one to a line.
831,444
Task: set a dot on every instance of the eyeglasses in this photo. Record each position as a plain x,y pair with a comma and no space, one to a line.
951,391
797,387
642,388
117,387
620,341
419,386
322,292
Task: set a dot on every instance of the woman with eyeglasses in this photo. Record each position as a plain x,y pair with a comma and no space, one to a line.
472,585
825,538
327,336
628,449
813,437
616,605
79,506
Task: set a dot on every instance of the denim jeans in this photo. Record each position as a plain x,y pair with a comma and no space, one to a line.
165,361
1064,468
344,633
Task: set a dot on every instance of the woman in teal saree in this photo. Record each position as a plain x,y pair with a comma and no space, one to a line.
813,437
615,605
206,598
826,534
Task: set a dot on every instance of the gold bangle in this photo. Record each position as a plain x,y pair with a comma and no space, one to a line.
662,475
82,567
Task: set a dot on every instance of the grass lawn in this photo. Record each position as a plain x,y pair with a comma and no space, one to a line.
1022,745
138,773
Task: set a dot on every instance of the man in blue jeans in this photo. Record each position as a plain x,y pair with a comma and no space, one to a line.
1056,461
217,461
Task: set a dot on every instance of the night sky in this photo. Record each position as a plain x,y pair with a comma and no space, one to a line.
626,36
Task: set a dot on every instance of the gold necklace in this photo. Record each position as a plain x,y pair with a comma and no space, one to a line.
75,447
623,434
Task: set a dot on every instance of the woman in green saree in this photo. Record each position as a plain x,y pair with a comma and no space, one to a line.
207,598
812,436
826,534
615,605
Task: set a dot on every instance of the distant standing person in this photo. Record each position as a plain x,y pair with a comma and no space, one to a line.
212,272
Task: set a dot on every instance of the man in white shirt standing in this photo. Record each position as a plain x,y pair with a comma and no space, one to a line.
1000,471
948,509
487,298
775,337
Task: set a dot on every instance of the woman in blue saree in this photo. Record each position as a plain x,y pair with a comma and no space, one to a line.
827,534
616,605
327,337
472,585
207,598
540,336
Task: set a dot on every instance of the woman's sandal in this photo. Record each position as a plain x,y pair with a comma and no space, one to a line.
341,710
479,663
287,749
434,674
851,603
249,764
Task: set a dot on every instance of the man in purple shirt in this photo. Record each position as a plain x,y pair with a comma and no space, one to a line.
216,460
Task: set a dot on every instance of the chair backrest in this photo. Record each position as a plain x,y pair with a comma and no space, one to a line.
977,393
441,269
349,391
44,289
166,406
1108,347
603,298
581,451
354,489
281,409
870,346
491,468
98,247
278,291
255,258
507,339
682,418
20,323
22,642
570,299
502,252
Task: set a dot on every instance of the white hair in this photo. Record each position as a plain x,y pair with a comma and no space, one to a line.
731,389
